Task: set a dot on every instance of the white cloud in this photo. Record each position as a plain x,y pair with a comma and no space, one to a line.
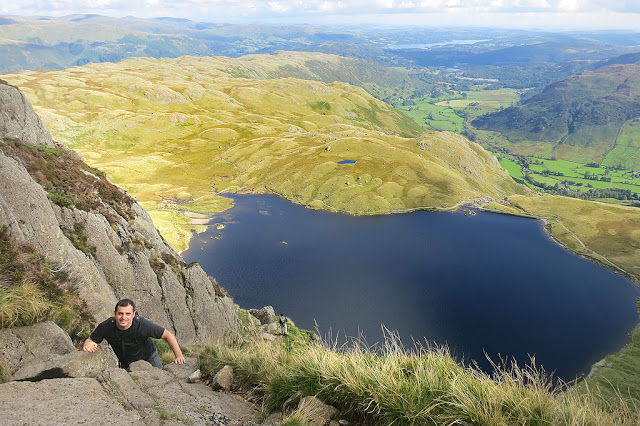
279,6
432,12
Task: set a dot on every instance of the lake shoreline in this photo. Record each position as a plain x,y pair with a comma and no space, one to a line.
386,227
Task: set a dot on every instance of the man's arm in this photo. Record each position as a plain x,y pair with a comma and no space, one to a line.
89,345
173,344
96,337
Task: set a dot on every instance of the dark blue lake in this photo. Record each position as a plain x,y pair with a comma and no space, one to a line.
485,284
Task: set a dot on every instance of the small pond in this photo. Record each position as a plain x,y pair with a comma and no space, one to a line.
482,284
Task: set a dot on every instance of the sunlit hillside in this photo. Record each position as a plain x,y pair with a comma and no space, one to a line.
591,117
175,131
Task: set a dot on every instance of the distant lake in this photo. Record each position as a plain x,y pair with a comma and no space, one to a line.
485,283
428,45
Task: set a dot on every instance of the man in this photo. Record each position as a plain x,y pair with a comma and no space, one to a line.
130,337
283,324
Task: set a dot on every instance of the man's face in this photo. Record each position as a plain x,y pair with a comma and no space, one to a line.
124,316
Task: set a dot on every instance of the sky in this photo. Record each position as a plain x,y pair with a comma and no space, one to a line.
530,14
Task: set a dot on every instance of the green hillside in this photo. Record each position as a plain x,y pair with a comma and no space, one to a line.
589,117
174,131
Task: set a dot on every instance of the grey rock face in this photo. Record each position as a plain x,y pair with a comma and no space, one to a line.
122,385
214,317
315,411
45,351
74,364
85,364
131,258
18,120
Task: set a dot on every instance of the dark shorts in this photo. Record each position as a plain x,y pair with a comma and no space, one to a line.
154,359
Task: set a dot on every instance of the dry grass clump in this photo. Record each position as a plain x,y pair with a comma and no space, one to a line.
33,290
22,305
426,386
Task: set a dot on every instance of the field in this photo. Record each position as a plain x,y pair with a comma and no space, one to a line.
449,112
577,177
436,116
514,169
626,153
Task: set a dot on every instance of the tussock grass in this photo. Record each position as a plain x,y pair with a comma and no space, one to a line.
393,386
33,290
22,305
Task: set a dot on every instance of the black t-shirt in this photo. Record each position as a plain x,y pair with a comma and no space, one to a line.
132,344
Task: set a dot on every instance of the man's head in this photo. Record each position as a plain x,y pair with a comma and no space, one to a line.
124,313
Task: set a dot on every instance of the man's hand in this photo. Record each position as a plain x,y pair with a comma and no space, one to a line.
173,344
90,346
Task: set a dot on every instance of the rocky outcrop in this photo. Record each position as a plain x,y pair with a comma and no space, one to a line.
48,403
18,120
146,395
316,412
25,345
121,255
224,379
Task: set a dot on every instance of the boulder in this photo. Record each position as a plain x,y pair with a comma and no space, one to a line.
292,402
32,344
266,315
270,337
85,364
315,411
272,328
195,376
224,379
73,364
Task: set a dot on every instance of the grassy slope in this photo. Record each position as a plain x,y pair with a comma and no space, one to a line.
393,386
171,130
606,233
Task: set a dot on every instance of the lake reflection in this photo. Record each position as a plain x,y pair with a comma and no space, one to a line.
487,283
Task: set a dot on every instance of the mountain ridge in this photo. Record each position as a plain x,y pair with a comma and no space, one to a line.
172,128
